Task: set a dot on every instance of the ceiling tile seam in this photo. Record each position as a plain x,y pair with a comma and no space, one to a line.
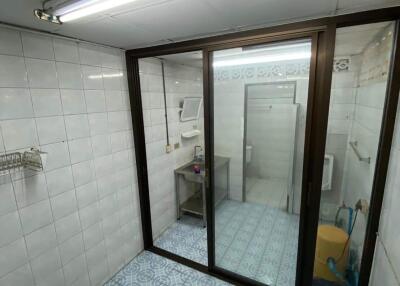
146,30
149,5
55,35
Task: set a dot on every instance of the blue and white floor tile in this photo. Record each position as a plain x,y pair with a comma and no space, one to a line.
253,240
149,269
187,237
257,241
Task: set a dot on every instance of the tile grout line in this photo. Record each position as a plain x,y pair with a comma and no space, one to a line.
259,222
283,253
95,178
266,245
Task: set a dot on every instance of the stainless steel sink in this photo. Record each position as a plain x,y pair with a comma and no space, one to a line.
189,174
195,203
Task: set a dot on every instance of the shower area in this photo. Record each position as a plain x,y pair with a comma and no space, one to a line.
270,132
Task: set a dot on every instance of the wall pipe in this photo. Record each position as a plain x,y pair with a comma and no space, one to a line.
165,101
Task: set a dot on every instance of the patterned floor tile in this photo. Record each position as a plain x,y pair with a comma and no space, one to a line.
251,239
112,282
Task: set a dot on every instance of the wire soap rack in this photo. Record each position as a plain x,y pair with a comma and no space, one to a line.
34,159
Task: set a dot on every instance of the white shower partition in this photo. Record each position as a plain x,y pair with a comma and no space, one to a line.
271,131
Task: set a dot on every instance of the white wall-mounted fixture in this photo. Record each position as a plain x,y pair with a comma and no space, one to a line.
327,173
191,133
249,151
191,108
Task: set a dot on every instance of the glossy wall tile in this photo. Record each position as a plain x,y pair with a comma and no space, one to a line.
77,222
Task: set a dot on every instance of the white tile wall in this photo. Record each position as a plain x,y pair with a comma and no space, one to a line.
181,81
13,44
341,116
386,267
18,102
63,226
13,72
229,127
41,73
73,101
66,51
357,100
365,127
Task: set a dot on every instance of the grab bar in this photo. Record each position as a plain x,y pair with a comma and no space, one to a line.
354,145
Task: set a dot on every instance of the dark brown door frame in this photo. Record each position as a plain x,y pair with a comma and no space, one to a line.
308,211
366,17
135,100
315,138
382,160
322,87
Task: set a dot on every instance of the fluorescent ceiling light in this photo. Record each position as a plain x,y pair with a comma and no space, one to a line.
303,44
248,60
83,8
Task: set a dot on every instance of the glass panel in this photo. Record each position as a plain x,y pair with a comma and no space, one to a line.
175,167
361,66
260,105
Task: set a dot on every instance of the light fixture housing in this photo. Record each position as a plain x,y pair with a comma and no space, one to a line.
44,16
82,8
75,9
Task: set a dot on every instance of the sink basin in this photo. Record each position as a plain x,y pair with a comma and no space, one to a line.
190,166
189,174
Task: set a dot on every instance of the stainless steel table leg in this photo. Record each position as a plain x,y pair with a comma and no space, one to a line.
228,184
178,204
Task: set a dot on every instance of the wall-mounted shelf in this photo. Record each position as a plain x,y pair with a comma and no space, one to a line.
191,133
33,159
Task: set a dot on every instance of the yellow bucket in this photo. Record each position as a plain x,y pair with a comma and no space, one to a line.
331,242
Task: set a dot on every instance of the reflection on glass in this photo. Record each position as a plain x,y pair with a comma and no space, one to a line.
361,65
260,105
172,92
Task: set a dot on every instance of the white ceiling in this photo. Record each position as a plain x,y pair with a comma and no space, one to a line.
153,22
356,38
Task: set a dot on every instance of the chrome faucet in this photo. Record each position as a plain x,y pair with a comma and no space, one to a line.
196,155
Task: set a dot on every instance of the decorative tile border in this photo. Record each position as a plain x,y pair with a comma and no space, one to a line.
341,64
262,71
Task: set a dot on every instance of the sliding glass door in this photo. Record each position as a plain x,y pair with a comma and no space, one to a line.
256,165
260,105
172,108
358,93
